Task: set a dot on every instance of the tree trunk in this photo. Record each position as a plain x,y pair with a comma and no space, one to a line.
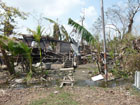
130,26
7,62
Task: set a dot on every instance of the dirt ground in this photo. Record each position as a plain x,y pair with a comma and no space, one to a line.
76,95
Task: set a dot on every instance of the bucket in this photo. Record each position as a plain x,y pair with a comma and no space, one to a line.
47,66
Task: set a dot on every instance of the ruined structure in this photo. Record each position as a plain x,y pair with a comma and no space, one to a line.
52,50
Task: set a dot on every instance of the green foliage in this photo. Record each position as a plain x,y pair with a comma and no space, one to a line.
56,29
59,32
50,20
96,71
89,58
62,98
37,36
29,76
8,18
133,63
16,48
46,72
40,102
86,35
65,33
125,58
38,33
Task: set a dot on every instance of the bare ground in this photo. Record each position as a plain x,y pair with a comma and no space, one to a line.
80,95
77,95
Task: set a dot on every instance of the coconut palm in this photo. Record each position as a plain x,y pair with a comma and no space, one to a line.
59,32
37,36
65,33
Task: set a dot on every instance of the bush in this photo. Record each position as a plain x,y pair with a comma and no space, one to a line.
133,63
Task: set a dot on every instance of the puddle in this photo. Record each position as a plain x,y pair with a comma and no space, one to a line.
102,83
83,83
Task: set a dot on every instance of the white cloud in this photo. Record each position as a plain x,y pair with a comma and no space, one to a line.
60,7
89,12
50,8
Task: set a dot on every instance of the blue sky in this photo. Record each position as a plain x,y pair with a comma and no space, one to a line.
61,10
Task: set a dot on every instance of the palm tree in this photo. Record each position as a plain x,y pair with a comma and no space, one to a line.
37,36
59,32
65,33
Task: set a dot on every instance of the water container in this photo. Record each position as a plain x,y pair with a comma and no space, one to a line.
47,66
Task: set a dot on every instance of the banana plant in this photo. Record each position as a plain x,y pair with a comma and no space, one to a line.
86,35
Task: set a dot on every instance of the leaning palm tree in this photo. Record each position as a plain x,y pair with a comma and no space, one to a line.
59,32
56,29
86,35
65,33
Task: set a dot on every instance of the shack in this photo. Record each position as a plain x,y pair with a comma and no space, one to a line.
47,43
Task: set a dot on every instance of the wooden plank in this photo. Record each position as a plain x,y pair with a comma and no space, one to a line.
67,69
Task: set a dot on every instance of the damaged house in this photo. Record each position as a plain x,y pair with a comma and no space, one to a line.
52,50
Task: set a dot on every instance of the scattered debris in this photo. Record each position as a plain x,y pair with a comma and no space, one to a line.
19,80
2,92
97,78
68,76
47,66
56,92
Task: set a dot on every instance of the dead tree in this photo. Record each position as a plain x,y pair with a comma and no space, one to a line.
122,18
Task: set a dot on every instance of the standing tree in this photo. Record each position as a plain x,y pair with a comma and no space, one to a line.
7,20
14,48
8,16
119,17
122,18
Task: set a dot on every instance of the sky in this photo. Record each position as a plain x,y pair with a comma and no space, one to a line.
60,11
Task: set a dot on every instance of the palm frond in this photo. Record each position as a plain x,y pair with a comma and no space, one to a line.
50,20
38,33
65,33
